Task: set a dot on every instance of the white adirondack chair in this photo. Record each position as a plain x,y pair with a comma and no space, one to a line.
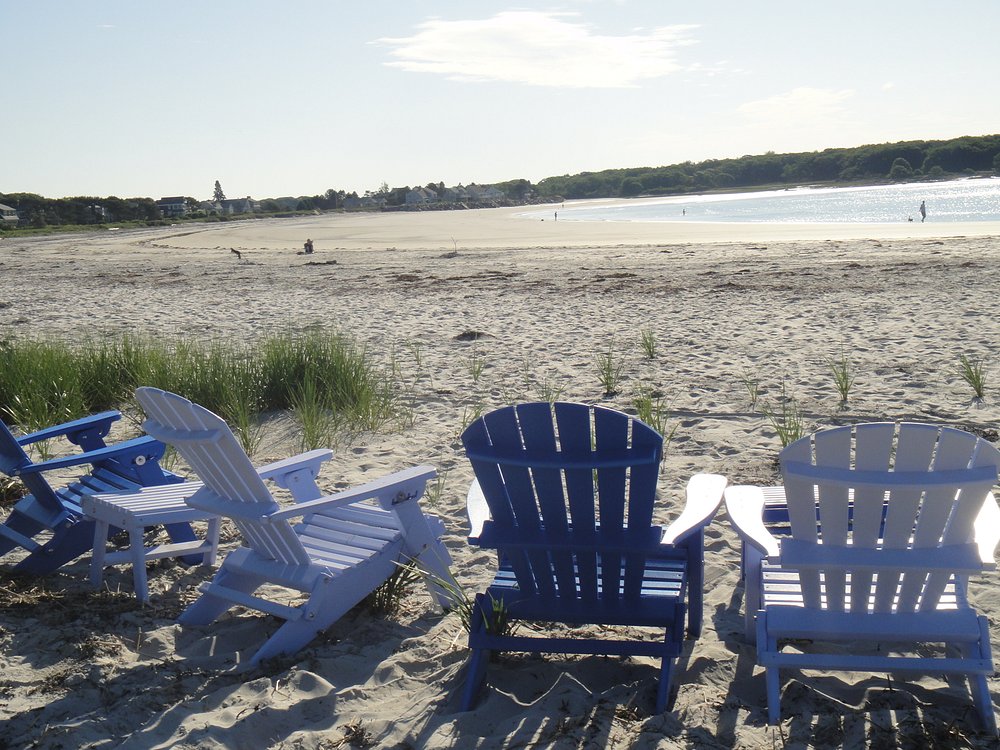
344,547
882,527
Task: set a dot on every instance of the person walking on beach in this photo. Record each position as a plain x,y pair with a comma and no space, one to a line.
923,211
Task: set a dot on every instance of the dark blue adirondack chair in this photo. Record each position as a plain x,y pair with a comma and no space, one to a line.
54,515
565,494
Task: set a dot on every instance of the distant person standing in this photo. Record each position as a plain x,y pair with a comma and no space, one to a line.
923,211
308,245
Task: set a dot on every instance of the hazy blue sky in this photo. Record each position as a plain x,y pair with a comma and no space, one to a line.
129,98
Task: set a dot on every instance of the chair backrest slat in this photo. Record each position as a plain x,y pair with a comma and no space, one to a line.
575,432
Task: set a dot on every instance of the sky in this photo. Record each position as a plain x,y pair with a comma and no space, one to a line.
126,98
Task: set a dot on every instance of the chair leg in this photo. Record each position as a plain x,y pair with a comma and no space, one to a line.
696,584
209,606
23,525
984,704
291,637
978,684
664,697
772,680
768,645
66,544
752,582
327,604
212,538
479,659
137,552
100,550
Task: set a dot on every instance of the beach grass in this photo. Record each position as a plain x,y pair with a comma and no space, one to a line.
751,382
973,372
647,342
46,381
787,419
386,600
843,377
610,368
654,410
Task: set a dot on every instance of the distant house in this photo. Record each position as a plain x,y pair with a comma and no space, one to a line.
421,195
238,206
8,215
457,194
352,202
484,193
175,206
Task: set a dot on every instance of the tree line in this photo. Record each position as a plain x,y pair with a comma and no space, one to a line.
886,162
36,211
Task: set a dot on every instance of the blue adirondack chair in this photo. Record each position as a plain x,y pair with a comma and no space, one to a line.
871,542
49,522
565,493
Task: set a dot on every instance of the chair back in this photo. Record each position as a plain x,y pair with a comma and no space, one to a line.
205,441
882,514
571,489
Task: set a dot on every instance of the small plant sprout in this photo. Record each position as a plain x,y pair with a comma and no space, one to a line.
843,377
974,373
751,381
647,341
548,390
653,409
435,490
610,369
477,363
470,415
416,352
787,421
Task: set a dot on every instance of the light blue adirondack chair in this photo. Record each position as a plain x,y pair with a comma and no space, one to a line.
565,493
346,545
48,522
872,543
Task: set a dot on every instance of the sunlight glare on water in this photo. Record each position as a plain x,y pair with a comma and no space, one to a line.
967,200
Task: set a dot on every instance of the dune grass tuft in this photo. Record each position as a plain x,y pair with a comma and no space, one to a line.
973,372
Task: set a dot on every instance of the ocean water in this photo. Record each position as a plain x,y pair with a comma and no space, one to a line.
967,200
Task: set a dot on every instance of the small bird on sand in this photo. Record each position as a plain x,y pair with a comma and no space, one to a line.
237,253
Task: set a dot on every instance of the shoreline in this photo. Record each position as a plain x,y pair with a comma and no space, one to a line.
494,228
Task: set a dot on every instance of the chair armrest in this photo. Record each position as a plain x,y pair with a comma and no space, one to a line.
745,506
704,496
392,489
278,470
478,510
101,421
987,531
135,447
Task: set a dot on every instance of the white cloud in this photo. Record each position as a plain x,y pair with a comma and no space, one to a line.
800,107
538,49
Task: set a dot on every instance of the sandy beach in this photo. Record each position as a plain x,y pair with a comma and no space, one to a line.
86,669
